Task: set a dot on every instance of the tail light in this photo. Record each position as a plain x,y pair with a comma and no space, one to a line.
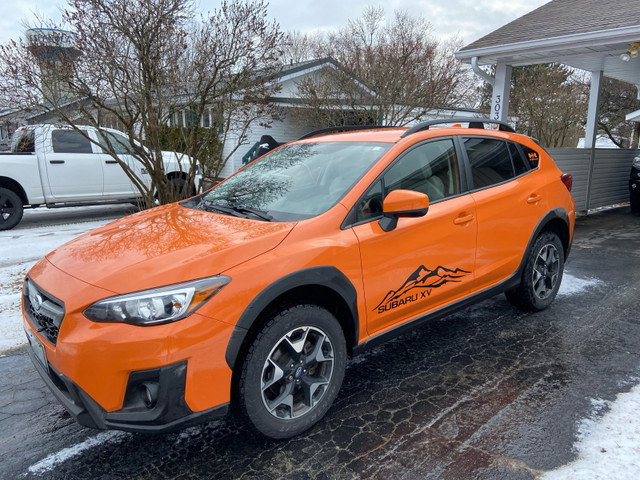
567,179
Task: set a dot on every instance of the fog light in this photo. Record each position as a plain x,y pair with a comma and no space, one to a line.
150,394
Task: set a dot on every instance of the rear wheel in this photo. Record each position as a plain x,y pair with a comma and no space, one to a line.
542,275
11,209
293,371
179,188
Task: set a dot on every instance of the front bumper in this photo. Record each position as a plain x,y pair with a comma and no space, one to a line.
166,412
101,372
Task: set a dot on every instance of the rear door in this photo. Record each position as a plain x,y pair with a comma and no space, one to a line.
425,262
509,202
74,172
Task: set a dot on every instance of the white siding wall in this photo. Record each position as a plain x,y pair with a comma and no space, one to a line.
283,130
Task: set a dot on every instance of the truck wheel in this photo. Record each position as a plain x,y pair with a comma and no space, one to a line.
10,209
293,371
177,186
542,275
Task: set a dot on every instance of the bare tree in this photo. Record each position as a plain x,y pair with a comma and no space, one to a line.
300,47
550,102
155,70
390,72
617,99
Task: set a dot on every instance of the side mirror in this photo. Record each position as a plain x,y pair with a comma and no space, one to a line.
402,203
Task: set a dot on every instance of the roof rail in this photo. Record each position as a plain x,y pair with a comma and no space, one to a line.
343,128
504,126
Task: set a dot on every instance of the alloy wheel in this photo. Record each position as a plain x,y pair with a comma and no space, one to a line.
297,372
545,271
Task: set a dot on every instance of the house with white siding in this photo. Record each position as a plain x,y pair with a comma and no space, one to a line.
286,127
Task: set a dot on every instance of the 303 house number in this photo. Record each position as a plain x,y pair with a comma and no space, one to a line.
497,107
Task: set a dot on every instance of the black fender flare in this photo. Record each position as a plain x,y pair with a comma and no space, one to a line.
552,215
13,185
324,276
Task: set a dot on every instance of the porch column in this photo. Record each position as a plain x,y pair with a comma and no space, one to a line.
592,115
591,129
501,87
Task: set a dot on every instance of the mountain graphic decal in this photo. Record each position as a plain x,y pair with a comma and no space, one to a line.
421,279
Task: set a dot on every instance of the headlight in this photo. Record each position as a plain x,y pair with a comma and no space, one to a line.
636,162
158,305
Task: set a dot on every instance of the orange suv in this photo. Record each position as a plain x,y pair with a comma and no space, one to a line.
254,293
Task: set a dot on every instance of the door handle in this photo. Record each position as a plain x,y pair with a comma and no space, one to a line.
534,198
110,161
462,219
56,161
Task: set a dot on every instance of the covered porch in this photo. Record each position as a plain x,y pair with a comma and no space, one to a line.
599,37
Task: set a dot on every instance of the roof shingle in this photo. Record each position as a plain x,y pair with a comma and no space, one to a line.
560,18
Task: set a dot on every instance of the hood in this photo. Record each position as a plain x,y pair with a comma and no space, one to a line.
165,245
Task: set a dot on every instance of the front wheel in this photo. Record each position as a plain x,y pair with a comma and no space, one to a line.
542,275
293,371
11,209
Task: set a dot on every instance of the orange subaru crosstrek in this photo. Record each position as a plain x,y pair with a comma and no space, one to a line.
254,293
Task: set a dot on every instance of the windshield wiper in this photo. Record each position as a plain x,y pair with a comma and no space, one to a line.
261,214
242,212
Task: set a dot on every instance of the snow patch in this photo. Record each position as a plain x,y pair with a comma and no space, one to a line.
608,446
21,249
573,285
49,463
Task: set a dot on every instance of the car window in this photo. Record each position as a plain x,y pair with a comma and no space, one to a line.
297,181
119,143
532,156
490,161
370,205
520,164
69,141
23,141
429,168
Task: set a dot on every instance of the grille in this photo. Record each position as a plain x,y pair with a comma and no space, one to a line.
44,311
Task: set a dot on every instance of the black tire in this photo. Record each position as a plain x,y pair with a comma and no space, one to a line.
11,209
634,201
293,371
542,275
178,188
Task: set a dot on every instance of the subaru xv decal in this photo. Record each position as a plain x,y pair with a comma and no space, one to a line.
423,280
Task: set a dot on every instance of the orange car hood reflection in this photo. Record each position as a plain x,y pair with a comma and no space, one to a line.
165,245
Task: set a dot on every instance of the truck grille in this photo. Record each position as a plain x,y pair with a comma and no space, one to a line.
44,311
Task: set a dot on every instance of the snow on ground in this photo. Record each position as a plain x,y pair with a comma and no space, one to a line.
49,463
608,447
20,249
573,285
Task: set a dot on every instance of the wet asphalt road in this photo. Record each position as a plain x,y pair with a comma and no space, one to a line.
488,393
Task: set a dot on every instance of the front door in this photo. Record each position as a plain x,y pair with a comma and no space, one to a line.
425,262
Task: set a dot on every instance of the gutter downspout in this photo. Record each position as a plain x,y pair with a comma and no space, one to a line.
481,73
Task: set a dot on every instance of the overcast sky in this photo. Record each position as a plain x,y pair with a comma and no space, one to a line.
470,19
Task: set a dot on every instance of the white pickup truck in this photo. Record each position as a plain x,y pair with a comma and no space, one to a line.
56,166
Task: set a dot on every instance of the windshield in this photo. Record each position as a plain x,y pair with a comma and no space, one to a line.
296,181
